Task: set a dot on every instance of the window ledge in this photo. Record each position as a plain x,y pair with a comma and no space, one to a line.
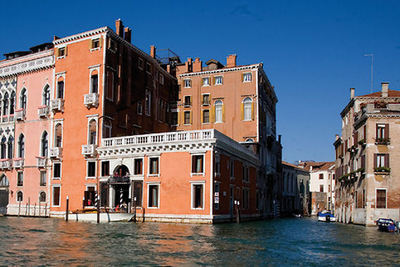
153,208
153,175
95,49
56,178
57,59
90,177
197,208
197,174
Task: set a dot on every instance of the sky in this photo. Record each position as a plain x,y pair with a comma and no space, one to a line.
312,51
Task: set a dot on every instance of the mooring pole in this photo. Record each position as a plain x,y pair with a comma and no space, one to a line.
19,208
45,209
67,209
34,210
134,206
98,207
237,203
29,206
39,208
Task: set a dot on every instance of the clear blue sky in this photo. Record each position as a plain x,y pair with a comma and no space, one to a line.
312,50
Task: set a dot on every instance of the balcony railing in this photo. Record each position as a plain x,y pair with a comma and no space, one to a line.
91,100
43,111
41,162
382,141
89,150
55,152
5,164
18,163
57,104
382,170
20,114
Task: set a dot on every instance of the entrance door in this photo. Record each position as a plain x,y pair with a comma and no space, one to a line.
3,194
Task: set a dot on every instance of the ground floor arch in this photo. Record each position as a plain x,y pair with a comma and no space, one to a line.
4,194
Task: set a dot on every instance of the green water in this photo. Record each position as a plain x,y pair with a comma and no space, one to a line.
31,241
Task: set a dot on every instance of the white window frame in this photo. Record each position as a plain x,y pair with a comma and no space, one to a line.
134,166
52,173
65,49
187,83
206,79
52,195
58,76
246,76
191,164
91,70
217,78
159,165
148,194
96,48
56,122
220,109
192,184
87,169
247,103
90,118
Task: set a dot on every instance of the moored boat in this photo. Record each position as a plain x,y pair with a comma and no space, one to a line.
326,216
386,225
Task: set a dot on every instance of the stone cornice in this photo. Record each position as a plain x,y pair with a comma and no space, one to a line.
27,66
248,67
80,35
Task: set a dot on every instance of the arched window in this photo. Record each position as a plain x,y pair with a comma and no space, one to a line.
107,127
60,88
42,197
46,96
10,149
247,108
22,99
3,147
12,102
21,146
94,82
5,104
44,144
218,110
4,181
58,135
20,196
92,132
249,140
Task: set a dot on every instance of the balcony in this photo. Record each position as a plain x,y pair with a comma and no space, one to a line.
19,163
20,114
41,162
91,100
43,111
5,164
382,170
55,152
89,150
382,141
57,104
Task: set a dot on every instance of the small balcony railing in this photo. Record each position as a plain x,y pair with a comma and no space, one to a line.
41,162
57,104
382,141
43,111
20,114
5,164
91,100
19,163
382,170
55,152
89,150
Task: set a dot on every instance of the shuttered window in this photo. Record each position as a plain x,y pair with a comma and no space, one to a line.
381,199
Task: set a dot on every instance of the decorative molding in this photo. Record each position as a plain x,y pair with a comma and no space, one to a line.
248,67
28,66
80,35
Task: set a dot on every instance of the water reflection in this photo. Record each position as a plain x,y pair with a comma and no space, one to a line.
27,241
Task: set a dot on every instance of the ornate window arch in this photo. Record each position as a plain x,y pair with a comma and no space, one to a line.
247,109
21,146
44,144
218,111
10,149
46,95
6,104
12,103
3,147
20,196
23,98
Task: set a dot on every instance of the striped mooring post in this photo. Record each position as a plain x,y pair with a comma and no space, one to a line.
121,195
95,199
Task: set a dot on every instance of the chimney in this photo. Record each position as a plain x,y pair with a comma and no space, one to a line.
55,37
352,91
231,61
336,137
128,34
197,65
385,89
188,65
168,68
279,138
153,51
119,28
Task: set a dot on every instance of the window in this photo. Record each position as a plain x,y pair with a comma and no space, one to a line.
187,101
197,164
140,64
382,132
56,195
148,103
187,83
161,79
46,96
245,196
139,108
148,68
5,104
138,166
110,85
138,192
206,81
12,103
246,77
153,196
381,161
10,147
43,179
206,116
20,196
21,146
154,166
218,80
105,168
187,117
217,165
58,135
3,147
107,127
91,169
247,109
42,197
174,118
197,196
92,132
321,176
245,174
216,196
61,52
22,99
57,170
321,188
60,89
94,82
218,111
206,100
232,168
20,179
381,198
95,43
44,144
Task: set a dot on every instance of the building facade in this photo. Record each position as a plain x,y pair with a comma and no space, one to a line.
366,153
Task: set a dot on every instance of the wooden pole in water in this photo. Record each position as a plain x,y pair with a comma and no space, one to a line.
98,208
134,205
45,209
67,210
19,208
29,206
34,210
237,203
39,208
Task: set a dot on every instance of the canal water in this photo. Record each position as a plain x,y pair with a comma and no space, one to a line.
34,241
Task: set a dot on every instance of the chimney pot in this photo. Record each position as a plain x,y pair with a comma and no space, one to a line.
153,51
119,28
352,91
385,89
128,34
231,61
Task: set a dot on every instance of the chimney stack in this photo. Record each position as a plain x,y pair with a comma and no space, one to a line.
128,34
385,89
197,65
153,51
231,61
119,28
352,91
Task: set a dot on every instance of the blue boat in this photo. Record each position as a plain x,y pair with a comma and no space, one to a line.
386,225
326,216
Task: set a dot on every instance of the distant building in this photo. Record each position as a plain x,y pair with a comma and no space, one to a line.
366,158
322,184
295,189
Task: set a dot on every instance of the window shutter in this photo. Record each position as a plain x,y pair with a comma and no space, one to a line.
212,80
376,132
223,112
57,52
387,161
66,50
386,131
191,117
201,116
365,133
252,110
90,44
202,82
180,114
242,77
375,160
242,111
101,41
190,100
212,115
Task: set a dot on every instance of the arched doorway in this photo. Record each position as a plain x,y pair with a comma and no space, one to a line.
120,184
4,185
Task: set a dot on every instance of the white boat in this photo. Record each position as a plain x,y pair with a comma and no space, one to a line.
326,216
104,217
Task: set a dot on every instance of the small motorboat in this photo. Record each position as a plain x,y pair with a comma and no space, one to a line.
326,216
296,215
386,225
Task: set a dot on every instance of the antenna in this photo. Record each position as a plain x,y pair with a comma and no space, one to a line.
372,69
